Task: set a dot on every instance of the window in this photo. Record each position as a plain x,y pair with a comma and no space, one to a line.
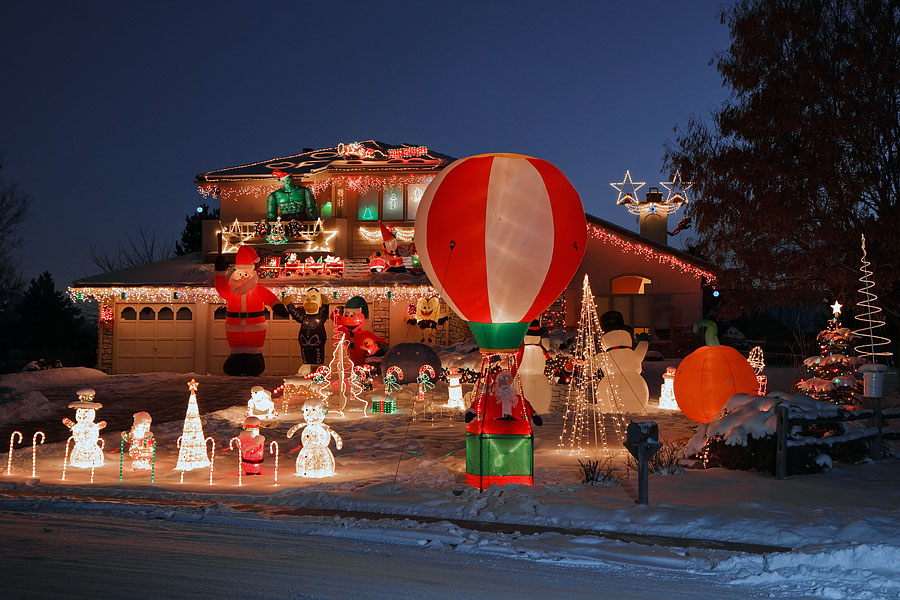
392,203
630,284
129,314
219,315
184,314
147,314
414,193
166,314
367,210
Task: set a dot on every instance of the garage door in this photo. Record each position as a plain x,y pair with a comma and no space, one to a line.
281,350
154,337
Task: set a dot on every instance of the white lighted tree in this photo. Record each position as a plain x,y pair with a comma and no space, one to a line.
192,443
583,422
871,345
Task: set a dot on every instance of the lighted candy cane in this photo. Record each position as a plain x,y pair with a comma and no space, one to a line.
102,443
392,379
357,375
121,457
66,458
426,374
178,445
153,461
273,449
240,458
34,451
212,456
11,442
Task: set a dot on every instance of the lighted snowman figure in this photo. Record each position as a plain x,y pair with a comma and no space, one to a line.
455,399
260,403
623,386
315,459
87,452
142,442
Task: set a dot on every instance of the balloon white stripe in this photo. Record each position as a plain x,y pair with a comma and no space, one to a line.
512,253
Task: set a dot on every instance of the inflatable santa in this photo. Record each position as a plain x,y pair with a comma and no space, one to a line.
391,251
245,316
499,438
532,360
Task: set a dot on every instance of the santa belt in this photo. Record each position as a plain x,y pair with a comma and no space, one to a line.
245,315
251,461
619,348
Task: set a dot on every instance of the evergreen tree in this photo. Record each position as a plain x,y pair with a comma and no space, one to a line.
192,236
50,326
830,375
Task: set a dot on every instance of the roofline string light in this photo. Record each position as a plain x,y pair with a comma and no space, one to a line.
649,253
208,295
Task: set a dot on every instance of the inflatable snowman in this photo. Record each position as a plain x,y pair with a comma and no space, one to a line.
532,359
622,387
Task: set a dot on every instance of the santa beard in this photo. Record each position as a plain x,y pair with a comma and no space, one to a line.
242,287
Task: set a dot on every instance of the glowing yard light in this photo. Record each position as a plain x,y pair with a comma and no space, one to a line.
88,448
315,460
667,394
34,443
455,399
12,441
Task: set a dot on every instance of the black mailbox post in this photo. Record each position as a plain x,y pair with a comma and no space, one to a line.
642,440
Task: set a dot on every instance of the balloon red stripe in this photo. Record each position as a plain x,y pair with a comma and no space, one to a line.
569,231
462,199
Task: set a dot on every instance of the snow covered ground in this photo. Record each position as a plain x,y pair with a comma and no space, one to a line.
837,533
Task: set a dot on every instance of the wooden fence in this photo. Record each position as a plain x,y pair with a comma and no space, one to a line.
875,434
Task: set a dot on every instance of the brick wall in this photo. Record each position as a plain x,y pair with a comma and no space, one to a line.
105,347
380,318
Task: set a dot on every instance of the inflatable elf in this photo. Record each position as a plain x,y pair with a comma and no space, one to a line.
499,438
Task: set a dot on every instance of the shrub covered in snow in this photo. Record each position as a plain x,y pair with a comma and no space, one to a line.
742,436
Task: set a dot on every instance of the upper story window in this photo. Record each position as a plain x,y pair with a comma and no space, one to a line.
367,207
394,203
631,284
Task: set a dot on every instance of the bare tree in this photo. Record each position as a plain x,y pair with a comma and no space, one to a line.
14,208
141,246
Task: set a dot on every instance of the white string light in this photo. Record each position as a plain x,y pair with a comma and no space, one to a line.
192,448
874,345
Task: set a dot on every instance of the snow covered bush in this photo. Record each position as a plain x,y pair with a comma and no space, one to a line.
742,436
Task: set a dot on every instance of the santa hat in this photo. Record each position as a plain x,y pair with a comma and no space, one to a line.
251,423
386,234
142,417
246,258
278,173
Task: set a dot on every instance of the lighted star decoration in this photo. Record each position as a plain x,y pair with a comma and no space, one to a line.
233,238
193,385
836,308
677,189
626,197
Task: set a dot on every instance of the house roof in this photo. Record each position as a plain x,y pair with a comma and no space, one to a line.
310,162
191,271
638,239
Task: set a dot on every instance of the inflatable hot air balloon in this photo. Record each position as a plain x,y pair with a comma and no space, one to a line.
501,235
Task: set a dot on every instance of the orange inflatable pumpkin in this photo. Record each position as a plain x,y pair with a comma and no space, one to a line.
710,375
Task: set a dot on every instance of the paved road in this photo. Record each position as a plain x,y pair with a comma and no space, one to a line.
99,556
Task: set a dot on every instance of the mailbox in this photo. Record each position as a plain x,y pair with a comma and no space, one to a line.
642,440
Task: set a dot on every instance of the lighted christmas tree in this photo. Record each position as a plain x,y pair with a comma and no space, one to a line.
830,375
583,423
872,347
192,447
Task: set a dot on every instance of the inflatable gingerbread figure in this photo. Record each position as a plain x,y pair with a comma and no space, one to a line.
245,316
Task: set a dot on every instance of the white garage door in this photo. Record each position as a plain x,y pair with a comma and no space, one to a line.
153,337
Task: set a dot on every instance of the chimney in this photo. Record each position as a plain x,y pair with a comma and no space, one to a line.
653,225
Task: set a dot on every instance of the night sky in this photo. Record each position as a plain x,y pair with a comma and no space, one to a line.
109,110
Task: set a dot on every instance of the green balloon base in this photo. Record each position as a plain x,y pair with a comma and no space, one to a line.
498,337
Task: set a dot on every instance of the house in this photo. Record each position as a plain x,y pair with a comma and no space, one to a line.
167,316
